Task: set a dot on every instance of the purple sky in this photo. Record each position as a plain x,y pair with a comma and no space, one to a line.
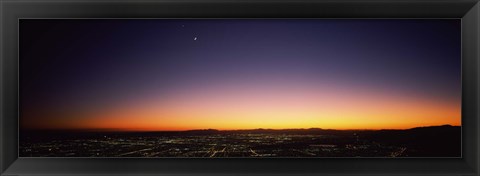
88,64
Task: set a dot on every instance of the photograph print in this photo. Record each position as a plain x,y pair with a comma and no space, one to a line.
240,88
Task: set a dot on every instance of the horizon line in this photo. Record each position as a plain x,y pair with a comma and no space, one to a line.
206,129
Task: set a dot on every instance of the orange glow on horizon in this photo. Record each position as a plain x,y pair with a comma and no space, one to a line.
267,106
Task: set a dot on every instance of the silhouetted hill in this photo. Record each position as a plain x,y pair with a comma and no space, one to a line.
430,141
202,132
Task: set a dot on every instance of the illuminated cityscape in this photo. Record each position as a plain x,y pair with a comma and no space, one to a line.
249,143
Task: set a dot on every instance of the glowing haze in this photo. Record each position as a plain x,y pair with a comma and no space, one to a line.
239,74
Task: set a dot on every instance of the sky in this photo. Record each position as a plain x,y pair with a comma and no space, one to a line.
182,74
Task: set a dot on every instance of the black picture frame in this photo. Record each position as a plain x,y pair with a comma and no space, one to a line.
13,10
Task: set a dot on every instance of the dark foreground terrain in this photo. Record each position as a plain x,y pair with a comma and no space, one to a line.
438,141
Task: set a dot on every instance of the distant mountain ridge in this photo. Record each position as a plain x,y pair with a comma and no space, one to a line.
257,130
317,129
